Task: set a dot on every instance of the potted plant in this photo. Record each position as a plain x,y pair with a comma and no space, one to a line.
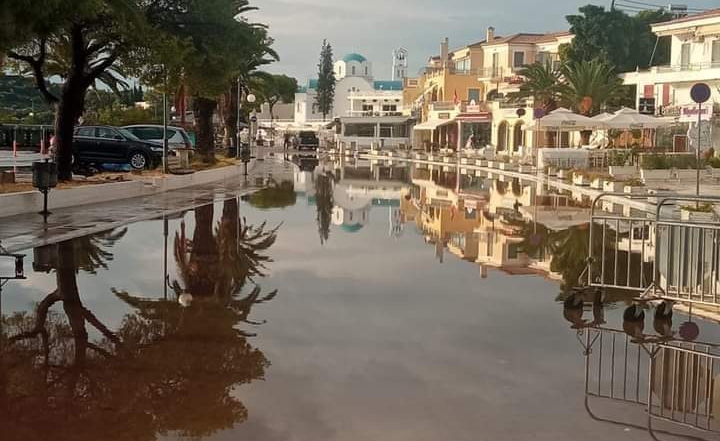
697,213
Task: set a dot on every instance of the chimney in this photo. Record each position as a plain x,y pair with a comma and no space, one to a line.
490,34
444,52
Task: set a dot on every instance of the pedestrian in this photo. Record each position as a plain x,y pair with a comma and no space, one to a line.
52,151
470,144
286,141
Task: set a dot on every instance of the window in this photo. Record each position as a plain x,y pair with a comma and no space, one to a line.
86,131
519,59
298,106
474,94
513,251
104,132
393,131
716,53
366,70
542,57
389,108
314,108
148,132
495,63
353,70
339,70
360,130
367,108
685,55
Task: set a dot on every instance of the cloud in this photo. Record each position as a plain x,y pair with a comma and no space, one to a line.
375,27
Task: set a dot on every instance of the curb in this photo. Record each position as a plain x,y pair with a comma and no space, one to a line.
31,201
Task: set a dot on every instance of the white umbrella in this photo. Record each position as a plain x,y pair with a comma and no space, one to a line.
562,120
626,118
602,117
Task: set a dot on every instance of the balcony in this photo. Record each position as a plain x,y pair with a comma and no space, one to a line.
443,106
370,113
679,73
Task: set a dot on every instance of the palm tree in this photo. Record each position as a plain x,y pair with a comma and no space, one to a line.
541,84
587,87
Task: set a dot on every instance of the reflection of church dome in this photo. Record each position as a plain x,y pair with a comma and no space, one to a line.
351,228
354,57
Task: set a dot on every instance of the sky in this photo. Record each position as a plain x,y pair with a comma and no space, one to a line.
374,28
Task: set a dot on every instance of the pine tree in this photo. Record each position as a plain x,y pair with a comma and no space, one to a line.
326,80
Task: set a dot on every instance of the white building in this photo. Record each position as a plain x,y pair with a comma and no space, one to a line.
370,111
694,57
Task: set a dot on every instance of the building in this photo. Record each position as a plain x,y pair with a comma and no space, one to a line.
463,92
694,57
368,111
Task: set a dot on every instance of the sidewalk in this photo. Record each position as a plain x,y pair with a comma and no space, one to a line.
26,231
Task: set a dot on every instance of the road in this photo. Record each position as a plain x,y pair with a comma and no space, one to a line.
24,159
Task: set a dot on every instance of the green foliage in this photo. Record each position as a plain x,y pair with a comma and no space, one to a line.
326,80
666,162
626,42
541,84
702,208
586,87
276,196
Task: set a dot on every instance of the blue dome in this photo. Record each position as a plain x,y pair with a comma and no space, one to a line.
353,228
354,57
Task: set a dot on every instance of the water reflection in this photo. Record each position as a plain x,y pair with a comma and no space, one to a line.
668,377
167,368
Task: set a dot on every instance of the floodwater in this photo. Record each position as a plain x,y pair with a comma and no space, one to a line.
345,303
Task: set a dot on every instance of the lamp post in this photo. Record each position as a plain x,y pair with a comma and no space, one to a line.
250,98
237,122
165,123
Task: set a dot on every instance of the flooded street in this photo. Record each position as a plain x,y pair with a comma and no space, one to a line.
345,302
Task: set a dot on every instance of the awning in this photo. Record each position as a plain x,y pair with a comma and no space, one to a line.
433,124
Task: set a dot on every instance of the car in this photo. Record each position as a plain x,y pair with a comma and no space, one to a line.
308,140
177,137
114,145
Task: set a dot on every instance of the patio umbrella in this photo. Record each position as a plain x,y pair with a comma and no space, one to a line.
562,120
630,119
626,118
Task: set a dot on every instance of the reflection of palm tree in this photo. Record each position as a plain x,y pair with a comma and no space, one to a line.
177,367
219,264
324,203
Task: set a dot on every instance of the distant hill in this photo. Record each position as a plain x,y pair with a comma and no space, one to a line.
19,95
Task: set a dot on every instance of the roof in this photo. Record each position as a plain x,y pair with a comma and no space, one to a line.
354,57
707,14
388,85
519,38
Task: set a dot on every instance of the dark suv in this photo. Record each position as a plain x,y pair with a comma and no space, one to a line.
308,140
113,145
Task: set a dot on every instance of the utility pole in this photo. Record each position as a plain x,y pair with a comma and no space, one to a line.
612,5
237,126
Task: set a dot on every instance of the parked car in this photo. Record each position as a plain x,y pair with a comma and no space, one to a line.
308,140
177,137
114,145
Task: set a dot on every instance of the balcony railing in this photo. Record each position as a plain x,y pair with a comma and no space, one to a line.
689,67
370,113
380,94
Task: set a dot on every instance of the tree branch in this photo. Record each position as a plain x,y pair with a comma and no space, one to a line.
40,319
90,317
101,66
37,69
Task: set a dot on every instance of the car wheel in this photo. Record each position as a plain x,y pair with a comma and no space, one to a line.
138,160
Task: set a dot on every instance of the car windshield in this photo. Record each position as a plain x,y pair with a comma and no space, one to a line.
128,134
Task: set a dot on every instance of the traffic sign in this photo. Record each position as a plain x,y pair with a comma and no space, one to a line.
700,93
253,118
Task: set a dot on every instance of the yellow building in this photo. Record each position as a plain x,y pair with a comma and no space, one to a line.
460,100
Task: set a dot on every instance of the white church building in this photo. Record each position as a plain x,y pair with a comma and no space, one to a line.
369,111
357,92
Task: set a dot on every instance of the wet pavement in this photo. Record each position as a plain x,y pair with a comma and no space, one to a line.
340,303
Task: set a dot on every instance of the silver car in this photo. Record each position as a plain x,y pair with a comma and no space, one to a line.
177,137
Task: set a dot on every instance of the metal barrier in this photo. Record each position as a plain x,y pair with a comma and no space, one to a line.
660,254
673,380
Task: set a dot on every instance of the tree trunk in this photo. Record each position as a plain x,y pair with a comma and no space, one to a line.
67,113
204,254
204,109
228,115
68,289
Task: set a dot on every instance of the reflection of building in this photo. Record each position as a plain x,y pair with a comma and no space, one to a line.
350,213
